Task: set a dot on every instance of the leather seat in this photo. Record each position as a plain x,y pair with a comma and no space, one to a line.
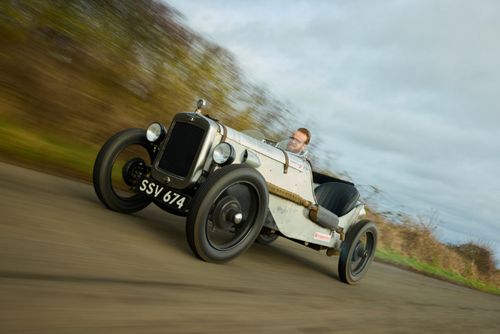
338,197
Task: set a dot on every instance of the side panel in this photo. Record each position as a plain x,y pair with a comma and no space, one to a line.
292,220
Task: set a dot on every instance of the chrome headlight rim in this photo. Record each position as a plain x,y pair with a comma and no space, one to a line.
223,154
155,132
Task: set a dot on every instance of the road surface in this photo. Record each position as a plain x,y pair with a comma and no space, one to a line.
68,265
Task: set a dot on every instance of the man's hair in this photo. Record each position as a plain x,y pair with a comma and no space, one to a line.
307,133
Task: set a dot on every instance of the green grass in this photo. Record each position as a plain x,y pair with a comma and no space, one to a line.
51,153
55,154
390,256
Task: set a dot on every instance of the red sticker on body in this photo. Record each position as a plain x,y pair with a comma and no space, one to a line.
322,236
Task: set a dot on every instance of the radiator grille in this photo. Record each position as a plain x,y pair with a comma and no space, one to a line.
181,149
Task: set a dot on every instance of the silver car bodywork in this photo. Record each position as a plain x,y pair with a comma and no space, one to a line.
279,168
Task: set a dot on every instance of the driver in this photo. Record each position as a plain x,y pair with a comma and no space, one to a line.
298,141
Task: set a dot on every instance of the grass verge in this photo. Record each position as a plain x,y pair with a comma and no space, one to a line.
390,256
47,153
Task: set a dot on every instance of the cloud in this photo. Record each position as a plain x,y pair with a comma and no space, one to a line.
402,95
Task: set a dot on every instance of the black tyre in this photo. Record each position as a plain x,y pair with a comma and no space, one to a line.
357,251
119,165
214,229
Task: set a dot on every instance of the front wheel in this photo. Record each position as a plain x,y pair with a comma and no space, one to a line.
357,251
227,213
119,166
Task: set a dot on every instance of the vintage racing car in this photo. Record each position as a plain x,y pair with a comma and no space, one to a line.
234,189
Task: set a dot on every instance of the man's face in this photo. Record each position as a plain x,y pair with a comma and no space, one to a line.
297,142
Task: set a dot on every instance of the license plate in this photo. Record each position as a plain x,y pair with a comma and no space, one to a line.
169,196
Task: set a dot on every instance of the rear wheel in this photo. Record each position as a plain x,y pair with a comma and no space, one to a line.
227,213
119,166
357,251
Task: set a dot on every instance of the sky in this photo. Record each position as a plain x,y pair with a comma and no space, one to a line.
402,95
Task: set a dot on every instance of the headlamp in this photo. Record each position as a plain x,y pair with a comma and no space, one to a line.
154,132
223,154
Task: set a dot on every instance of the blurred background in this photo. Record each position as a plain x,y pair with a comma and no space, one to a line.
73,72
82,70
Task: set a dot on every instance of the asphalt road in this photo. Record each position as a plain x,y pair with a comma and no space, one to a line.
68,265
